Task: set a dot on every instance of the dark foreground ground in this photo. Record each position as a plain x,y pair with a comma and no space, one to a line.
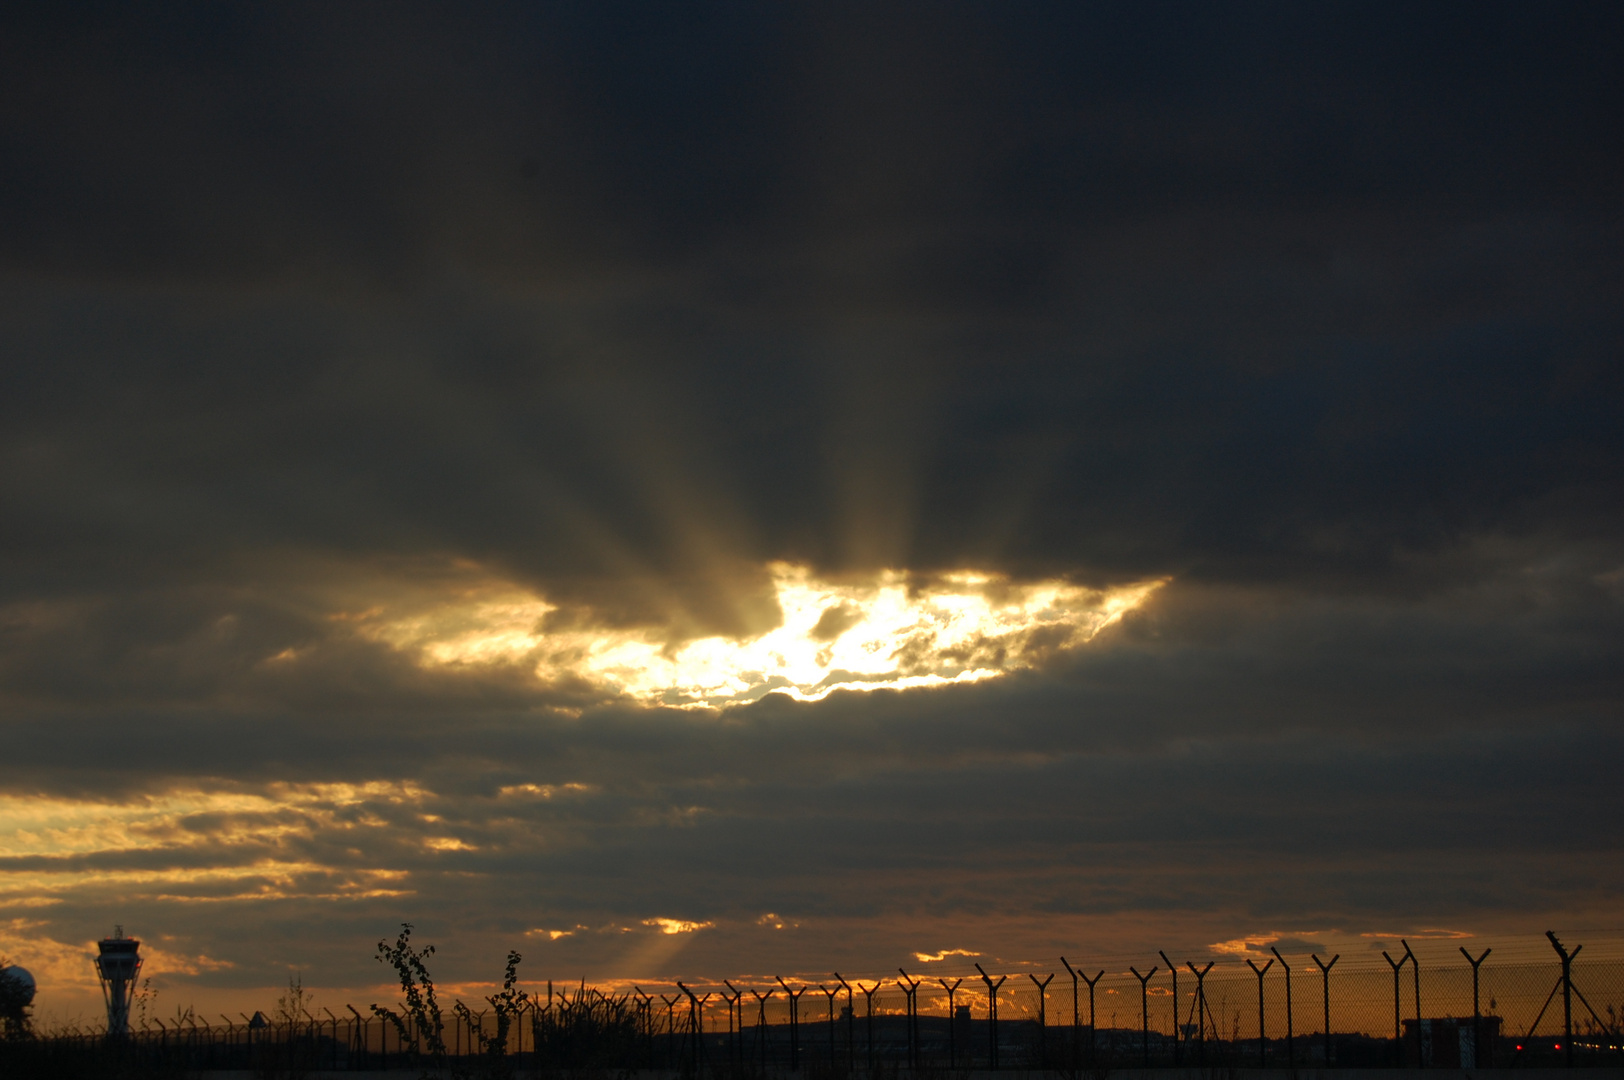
1591,1073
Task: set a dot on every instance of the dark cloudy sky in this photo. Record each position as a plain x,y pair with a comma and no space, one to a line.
365,371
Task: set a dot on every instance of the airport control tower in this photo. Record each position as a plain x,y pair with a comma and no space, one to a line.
118,965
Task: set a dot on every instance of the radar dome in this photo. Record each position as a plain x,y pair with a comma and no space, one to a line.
20,977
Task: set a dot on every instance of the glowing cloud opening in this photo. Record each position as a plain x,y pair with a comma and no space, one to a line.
677,926
931,958
885,633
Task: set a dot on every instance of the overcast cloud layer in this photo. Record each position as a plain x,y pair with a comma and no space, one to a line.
318,328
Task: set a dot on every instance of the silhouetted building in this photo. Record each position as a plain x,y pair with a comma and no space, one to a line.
1450,1042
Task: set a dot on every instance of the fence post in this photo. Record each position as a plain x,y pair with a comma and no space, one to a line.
1262,1038
1291,1056
1477,1012
1074,1022
1174,968
1415,970
670,1028
1325,972
693,1024
851,1018
761,1024
645,1011
1567,992
699,1032
1093,1032
1201,1007
830,993
732,1039
1144,1009
366,1036
910,988
1398,1028
331,1017
794,1022
992,1015
952,1021
1043,1018
696,1023
868,998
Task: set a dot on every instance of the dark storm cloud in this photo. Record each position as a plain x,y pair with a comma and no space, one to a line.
1315,312
1108,293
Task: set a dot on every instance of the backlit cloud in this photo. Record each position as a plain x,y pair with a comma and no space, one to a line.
677,926
36,825
931,958
886,631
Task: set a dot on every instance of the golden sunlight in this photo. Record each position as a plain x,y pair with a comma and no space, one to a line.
677,926
882,633
39,825
252,841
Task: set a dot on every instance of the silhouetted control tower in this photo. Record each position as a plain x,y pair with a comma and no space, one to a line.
118,965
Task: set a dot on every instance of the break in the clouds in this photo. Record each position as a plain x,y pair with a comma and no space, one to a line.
882,633
724,490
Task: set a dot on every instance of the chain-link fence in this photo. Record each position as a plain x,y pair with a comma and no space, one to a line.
1269,1010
